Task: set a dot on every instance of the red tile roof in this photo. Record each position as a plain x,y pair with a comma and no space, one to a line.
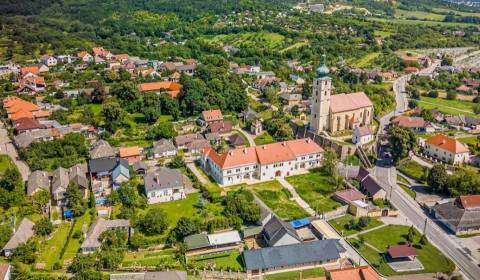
233,158
402,251
122,56
29,69
173,89
349,102
354,273
212,115
447,143
470,201
411,69
18,108
27,124
221,127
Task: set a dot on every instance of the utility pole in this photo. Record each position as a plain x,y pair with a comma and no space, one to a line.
425,226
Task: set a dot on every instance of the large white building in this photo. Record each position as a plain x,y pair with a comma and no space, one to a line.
264,162
447,149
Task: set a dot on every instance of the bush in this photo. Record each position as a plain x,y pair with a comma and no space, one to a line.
77,234
433,94
451,95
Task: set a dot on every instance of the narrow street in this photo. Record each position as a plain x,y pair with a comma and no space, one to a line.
7,148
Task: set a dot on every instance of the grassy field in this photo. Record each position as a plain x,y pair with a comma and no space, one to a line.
443,10
73,245
382,33
412,169
5,163
340,224
264,138
420,22
268,40
316,189
230,260
471,140
297,275
278,199
399,13
452,107
432,259
366,60
150,258
51,249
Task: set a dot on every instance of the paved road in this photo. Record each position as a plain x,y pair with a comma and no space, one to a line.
296,197
247,135
7,148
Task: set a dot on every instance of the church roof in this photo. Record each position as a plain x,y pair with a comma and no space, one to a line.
323,70
349,102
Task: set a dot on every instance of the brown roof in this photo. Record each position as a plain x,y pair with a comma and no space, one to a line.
29,69
224,126
349,102
470,201
409,122
349,195
447,143
354,273
402,251
129,151
212,115
27,124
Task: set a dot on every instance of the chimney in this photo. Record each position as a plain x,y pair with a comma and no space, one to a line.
308,140
230,153
245,151
284,144
264,147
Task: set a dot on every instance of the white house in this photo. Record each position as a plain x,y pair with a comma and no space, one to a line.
362,135
48,60
164,148
264,162
85,56
447,149
164,185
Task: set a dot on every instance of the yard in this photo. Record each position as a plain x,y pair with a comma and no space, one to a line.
229,260
412,169
432,259
453,107
151,258
316,189
264,139
341,225
51,249
297,275
73,245
5,163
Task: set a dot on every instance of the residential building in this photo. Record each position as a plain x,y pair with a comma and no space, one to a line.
101,149
291,99
362,135
107,173
18,108
22,234
151,275
25,139
92,243
256,128
164,184
221,127
26,124
140,167
447,149
348,196
170,88
38,180
417,124
163,148
212,116
48,60
372,188
85,56
182,141
131,154
337,112
365,272
295,256
197,146
236,140
279,233
202,243
263,162
461,216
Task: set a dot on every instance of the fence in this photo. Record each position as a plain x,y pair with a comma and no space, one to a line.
340,211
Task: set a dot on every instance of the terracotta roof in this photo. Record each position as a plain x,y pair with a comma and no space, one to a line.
99,51
236,157
349,102
354,273
411,69
26,124
401,251
304,146
29,69
275,152
410,58
212,115
470,201
223,126
172,87
363,131
129,151
462,88
82,54
121,56
410,122
447,143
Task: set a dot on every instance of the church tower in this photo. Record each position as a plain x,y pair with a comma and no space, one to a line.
322,90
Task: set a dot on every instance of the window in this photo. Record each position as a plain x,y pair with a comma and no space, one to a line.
238,170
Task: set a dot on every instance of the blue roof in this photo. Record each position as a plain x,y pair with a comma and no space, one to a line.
68,214
300,222
120,170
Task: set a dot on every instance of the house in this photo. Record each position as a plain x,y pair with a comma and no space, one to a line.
348,196
213,138
100,51
85,56
22,234
61,179
26,124
171,88
221,127
5,271
447,149
140,167
337,112
92,243
182,141
279,233
263,162
461,216
106,173
416,124
236,140
362,135
101,149
403,258
48,60
25,139
365,272
151,275
197,146
372,188
131,154
411,69
202,244
164,148
38,180
29,70
291,99
164,184
212,116
248,114
31,84
18,108
295,256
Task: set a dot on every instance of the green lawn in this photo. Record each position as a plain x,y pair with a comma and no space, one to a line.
264,139
412,169
278,199
402,180
230,260
399,13
50,250
453,107
297,275
409,191
73,245
366,60
432,259
5,163
316,189
340,224
471,140
151,258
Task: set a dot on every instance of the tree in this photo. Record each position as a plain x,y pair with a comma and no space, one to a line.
411,235
162,130
176,162
74,199
25,253
154,222
185,226
424,240
11,179
241,204
402,141
99,94
447,60
82,262
437,178
5,234
476,108
43,227
114,114
41,198
329,162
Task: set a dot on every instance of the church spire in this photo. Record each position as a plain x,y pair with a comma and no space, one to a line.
323,70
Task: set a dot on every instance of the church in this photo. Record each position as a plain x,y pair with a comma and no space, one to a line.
338,112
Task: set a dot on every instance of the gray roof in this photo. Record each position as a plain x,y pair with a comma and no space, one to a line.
101,149
215,136
275,229
295,254
186,139
98,227
60,182
162,146
139,165
155,275
197,241
23,233
458,216
371,185
248,114
25,139
163,178
105,164
38,180
78,174
362,173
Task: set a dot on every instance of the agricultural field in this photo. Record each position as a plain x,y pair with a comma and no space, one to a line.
452,107
418,15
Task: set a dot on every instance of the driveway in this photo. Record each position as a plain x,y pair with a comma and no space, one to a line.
7,148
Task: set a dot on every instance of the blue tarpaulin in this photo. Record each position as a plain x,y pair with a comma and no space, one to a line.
300,222
101,201
68,214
